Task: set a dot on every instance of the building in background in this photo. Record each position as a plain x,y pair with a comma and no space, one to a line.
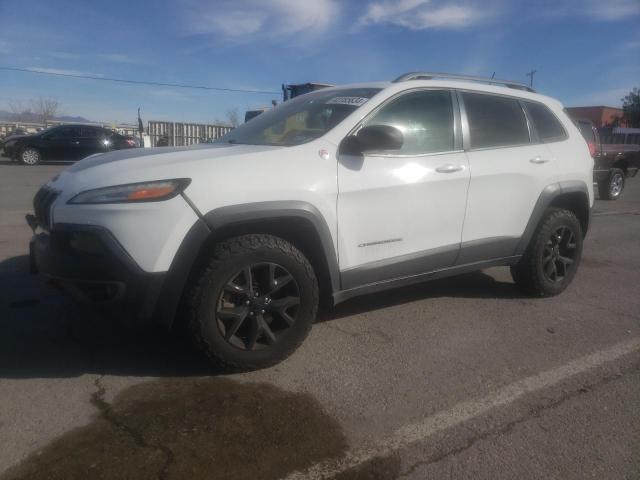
600,116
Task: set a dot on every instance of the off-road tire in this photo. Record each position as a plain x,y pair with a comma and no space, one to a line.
29,156
612,187
233,255
529,274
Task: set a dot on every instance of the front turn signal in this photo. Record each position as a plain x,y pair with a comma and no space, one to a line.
153,191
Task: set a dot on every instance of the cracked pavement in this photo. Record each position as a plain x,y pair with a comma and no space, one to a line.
457,378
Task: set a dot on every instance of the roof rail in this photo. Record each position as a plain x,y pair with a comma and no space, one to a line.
468,78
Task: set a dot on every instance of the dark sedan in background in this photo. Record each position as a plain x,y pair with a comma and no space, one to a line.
65,143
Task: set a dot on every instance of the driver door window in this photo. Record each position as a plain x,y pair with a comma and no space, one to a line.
425,119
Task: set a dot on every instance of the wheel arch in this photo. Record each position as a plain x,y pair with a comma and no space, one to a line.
571,195
23,146
623,164
300,223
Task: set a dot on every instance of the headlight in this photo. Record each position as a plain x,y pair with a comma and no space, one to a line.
153,191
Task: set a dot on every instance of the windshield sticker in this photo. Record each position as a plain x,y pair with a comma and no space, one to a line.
355,101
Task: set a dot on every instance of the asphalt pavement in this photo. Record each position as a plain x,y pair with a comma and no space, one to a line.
457,378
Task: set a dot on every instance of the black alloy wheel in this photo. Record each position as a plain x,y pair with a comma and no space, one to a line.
253,303
551,260
256,305
559,254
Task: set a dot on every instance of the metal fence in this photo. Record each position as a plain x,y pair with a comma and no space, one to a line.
8,127
178,134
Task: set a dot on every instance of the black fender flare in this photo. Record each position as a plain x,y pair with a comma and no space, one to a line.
207,225
547,197
281,209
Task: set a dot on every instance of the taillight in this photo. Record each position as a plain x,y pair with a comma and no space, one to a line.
131,142
592,148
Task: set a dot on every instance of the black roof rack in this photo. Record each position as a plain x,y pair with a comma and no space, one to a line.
468,78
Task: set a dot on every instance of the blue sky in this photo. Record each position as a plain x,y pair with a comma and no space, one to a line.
586,52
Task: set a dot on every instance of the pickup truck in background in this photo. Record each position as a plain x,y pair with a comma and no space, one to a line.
613,162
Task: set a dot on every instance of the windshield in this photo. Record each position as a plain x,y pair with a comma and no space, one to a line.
300,120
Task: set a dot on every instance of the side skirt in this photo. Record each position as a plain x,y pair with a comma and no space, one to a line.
343,295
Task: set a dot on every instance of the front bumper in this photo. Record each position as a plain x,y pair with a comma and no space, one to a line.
7,151
88,262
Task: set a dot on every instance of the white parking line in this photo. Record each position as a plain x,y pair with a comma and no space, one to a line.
465,411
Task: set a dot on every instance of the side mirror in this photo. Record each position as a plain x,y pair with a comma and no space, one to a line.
373,138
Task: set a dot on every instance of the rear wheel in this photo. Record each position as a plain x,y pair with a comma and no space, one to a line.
254,304
552,258
612,187
30,156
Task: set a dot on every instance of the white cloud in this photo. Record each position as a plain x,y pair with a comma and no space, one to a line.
243,20
108,57
424,14
612,9
62,71
379,12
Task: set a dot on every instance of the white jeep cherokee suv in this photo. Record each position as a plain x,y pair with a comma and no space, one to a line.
341,192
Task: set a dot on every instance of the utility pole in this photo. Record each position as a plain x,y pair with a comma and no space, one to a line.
530,75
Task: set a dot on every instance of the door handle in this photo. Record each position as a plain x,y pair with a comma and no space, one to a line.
77,142
538,160
449,168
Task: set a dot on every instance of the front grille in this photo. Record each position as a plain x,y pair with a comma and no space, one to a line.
42,205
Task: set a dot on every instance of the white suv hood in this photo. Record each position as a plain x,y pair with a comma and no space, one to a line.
145,164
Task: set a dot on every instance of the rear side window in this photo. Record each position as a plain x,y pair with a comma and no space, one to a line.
66,132
495,121
425,119
90,132
547,125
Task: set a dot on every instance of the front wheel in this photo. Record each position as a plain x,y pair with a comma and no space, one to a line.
254,304
30,156
552,258
612,187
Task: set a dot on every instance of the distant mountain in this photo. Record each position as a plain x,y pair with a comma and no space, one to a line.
33,118
69,118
